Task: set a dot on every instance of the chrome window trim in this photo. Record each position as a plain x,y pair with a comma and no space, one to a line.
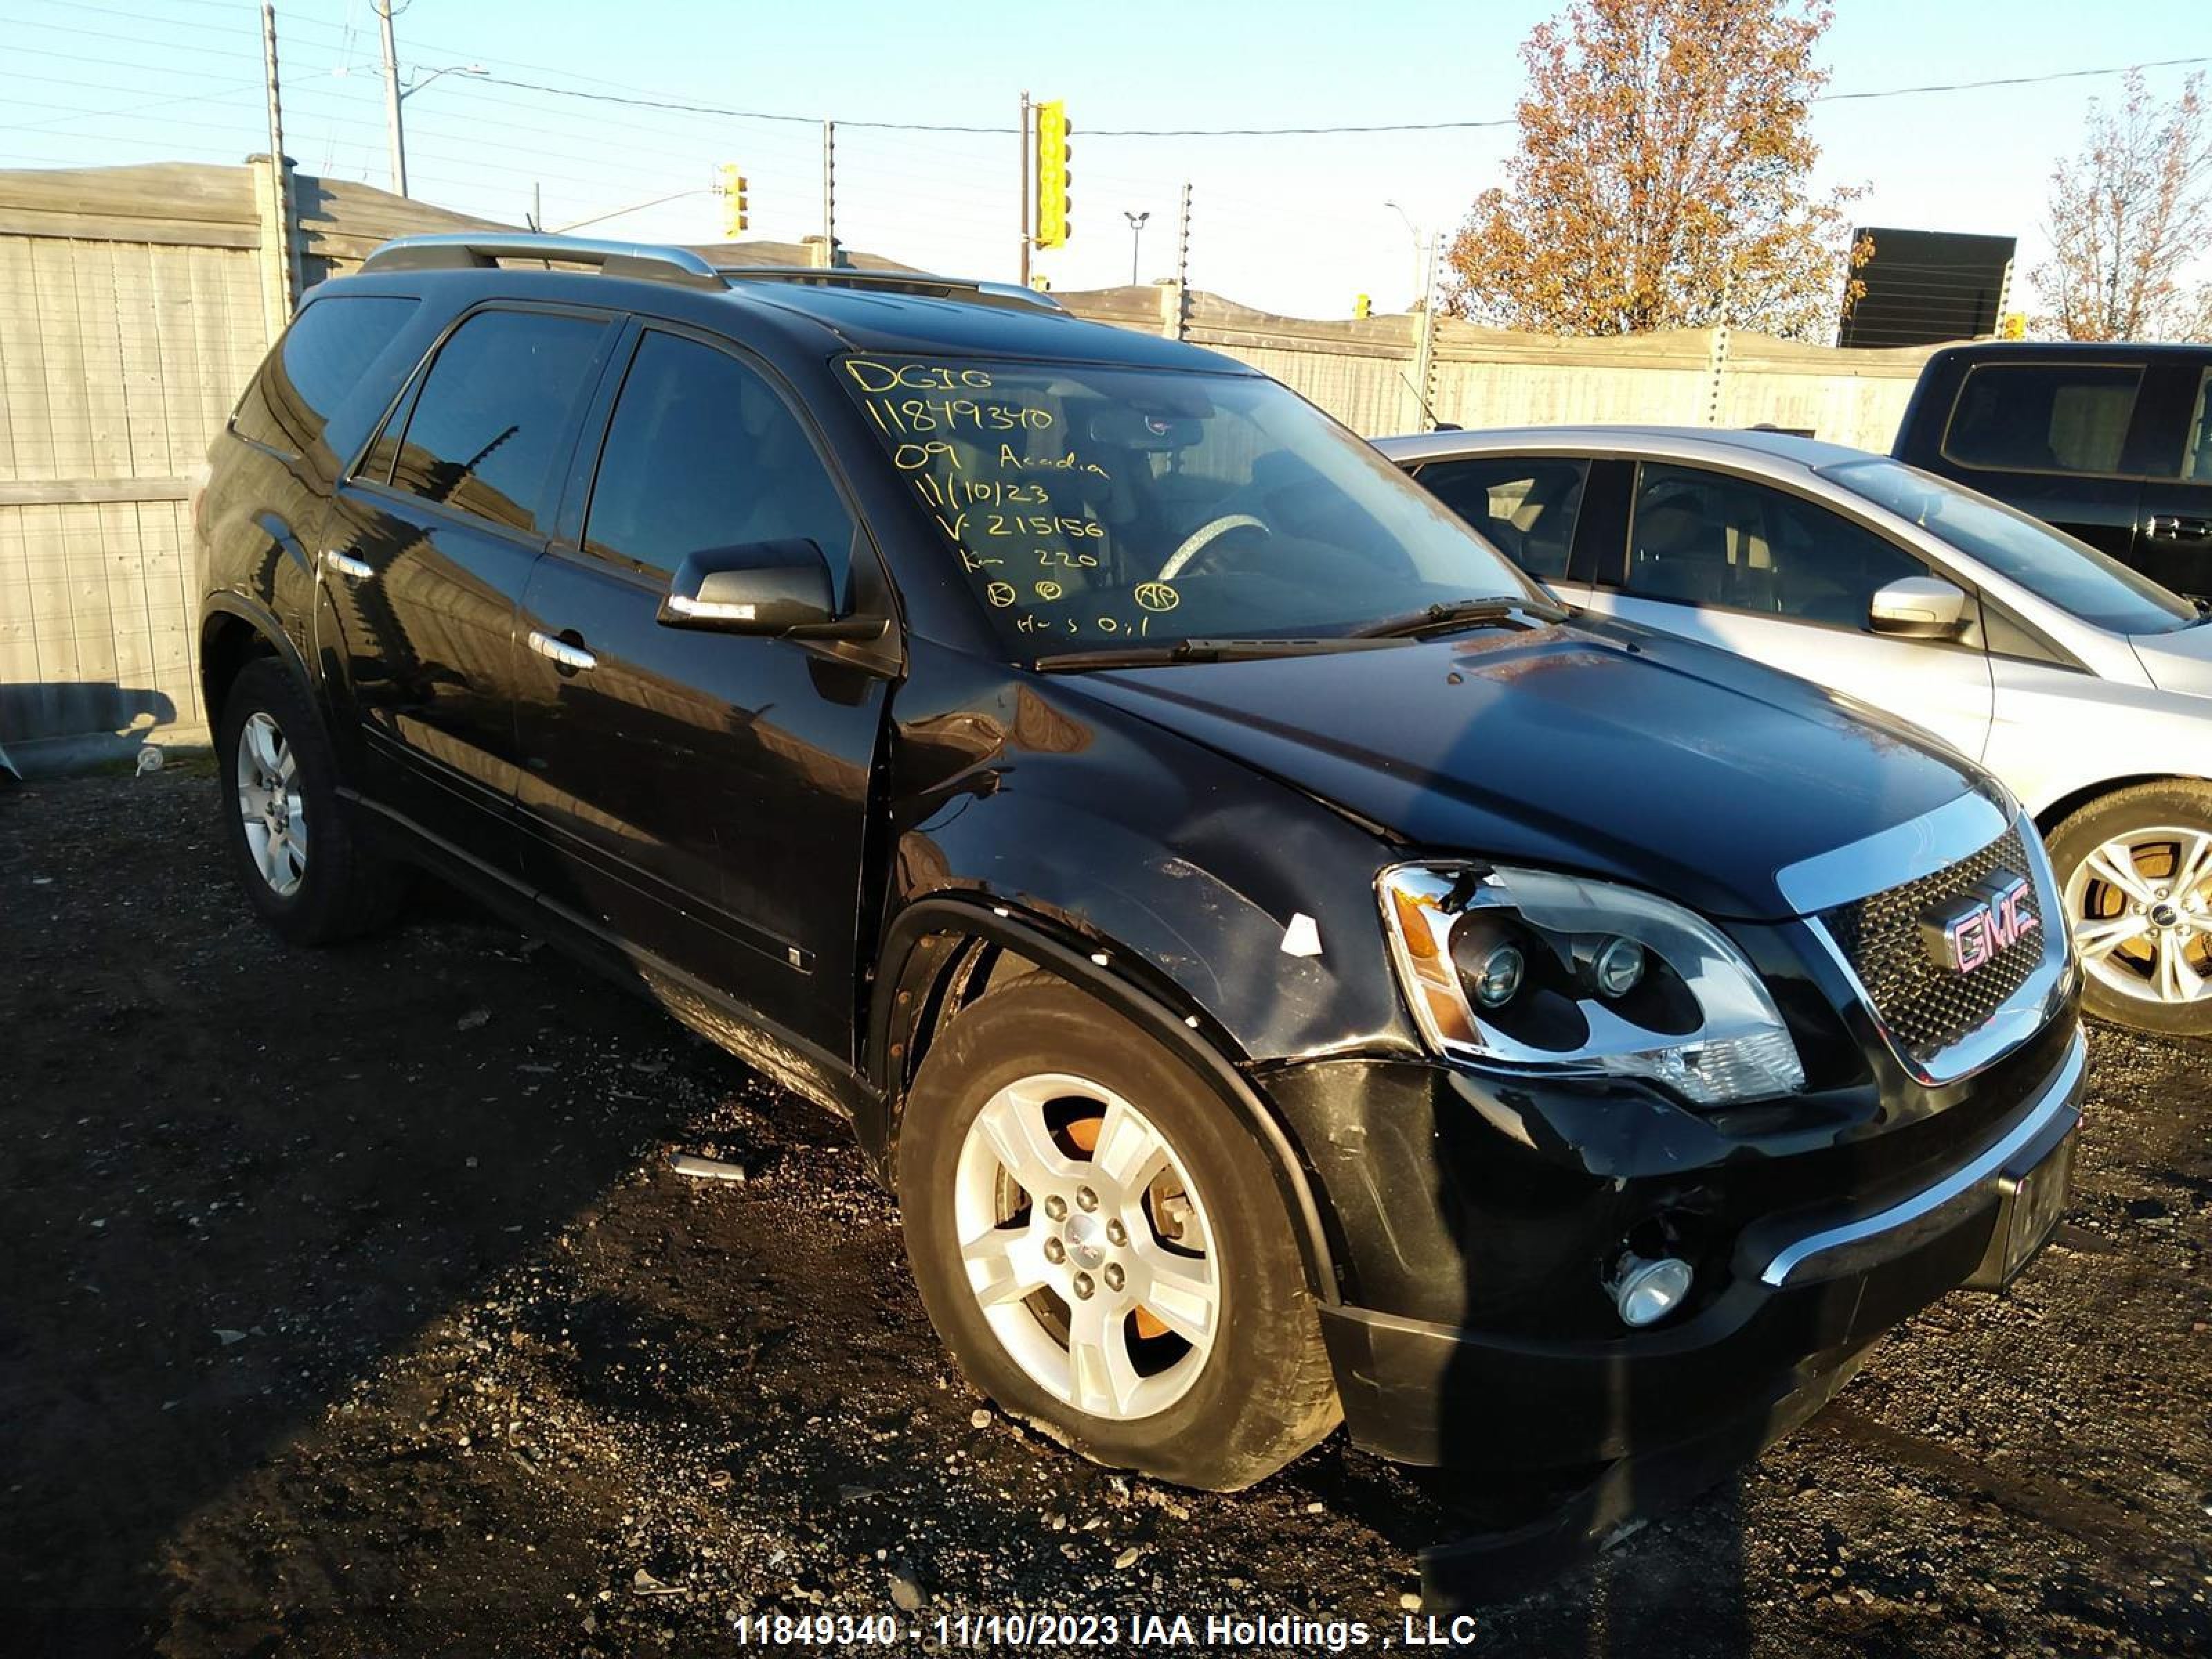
1890,858
2057,1103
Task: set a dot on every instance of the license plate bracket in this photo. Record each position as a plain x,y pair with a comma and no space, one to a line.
2032,1195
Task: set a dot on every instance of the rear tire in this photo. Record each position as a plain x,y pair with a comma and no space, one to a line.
290,838
1047,1300
2135,874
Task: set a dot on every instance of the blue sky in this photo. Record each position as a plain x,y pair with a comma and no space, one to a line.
1293,224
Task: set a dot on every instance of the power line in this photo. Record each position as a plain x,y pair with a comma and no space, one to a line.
724,111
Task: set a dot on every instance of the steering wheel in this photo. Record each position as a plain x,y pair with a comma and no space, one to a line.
1198,539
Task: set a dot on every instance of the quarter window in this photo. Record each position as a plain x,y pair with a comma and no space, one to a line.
325,354
492,419
1706,538
1526,505
703,452
2043,417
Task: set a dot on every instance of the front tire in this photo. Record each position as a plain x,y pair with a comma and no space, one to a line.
2135,872
1103,1246
290,838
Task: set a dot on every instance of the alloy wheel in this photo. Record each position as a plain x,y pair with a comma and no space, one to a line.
2141,910
270,805
1087,1247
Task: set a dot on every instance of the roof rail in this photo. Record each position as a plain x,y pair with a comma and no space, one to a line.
472,250
897,281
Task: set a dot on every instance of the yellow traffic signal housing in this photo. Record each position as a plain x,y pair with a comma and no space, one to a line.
731,190
1052,174
2013,325
1362,306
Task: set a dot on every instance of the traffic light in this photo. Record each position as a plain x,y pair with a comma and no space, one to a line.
2013,325
1362,306
1052,175
731,190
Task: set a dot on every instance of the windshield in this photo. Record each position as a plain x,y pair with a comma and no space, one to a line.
1098,508
2052,565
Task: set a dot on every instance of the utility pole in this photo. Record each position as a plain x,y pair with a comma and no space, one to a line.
1183,269
829,195
1424,357
1136,238
393,129
281,261
1027,202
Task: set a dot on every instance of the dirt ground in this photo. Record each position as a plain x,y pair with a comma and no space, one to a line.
351,1310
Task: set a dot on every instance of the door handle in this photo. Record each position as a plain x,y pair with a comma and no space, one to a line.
345,564
571,658
2173,528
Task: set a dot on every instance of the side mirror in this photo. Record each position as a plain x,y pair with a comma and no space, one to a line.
1918,608
775,590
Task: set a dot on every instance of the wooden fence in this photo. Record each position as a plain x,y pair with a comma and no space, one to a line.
135,303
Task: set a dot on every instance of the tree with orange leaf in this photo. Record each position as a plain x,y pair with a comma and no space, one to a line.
2128,214
1661,180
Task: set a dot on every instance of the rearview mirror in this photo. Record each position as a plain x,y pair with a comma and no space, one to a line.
776,590
1918,608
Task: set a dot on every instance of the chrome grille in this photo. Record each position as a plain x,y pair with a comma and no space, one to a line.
1927,1007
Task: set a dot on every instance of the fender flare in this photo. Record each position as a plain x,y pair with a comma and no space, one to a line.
264,623
1074,959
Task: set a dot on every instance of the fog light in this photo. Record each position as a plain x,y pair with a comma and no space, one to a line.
1498,975
1618,967
1645,1292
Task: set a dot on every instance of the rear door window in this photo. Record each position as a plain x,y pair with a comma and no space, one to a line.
2043,417
494,418
1525,504
320,361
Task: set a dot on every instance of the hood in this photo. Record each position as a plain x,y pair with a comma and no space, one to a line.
2179,662
1598,748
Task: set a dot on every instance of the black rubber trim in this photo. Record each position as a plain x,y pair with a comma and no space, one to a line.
1071,959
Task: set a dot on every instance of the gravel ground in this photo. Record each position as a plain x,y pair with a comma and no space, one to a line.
351,1310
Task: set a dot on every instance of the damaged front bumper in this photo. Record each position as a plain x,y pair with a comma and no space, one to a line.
1475,1330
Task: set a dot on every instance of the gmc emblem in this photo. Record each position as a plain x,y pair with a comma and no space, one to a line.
1967,932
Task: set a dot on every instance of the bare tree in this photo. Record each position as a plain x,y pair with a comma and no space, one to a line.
1661,178
2128,214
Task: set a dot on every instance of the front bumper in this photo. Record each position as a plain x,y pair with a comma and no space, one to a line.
1808,1280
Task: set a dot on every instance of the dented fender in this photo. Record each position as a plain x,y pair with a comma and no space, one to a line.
1250,904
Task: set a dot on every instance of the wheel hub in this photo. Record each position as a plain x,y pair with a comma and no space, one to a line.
1086,1238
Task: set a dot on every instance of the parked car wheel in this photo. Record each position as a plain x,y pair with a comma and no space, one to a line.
1102,1248
2135,869
290,837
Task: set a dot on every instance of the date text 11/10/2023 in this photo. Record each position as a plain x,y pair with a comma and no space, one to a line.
1044,1631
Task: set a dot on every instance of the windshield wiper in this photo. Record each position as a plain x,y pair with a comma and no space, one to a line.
1202,650
1460,613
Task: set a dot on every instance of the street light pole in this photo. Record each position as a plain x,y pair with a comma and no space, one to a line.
1136,238
393,130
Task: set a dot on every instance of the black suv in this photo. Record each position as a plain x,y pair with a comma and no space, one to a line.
1285,967
2111,443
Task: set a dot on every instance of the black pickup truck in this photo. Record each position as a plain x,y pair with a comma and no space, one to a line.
2111,443
1287,968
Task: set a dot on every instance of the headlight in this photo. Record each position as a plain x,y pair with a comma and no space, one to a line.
1527,969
